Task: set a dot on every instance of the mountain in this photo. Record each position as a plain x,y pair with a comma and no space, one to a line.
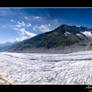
5,46
63,38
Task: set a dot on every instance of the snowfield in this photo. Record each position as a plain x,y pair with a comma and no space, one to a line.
35,68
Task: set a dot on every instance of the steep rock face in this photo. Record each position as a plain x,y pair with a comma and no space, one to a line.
62,36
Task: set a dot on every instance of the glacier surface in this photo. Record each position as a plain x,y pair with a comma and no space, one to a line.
37,68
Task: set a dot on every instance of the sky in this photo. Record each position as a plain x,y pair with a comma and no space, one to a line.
17,24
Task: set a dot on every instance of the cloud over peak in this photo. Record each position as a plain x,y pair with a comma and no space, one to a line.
42,28
21,27
24,34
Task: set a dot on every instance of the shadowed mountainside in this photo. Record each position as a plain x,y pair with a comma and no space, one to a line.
58,39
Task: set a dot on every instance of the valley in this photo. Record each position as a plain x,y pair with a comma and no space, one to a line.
43,68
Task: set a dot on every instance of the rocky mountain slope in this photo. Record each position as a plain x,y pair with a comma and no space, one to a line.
60,39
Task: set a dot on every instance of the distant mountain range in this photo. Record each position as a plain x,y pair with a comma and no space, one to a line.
64,38
5,46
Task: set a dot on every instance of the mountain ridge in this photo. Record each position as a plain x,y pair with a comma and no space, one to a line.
61,37
5,46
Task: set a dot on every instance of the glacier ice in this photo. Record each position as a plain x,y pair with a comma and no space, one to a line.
37,68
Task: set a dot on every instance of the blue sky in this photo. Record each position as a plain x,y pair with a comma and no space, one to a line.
17,24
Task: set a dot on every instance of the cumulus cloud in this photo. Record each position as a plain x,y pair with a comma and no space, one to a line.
23,24
20,27
35,28
29,25
12,20
32,17
24,34
25,17
42,28
15,28
21,39
36,17
20,24
49,25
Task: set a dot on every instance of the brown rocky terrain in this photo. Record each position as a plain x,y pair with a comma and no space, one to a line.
4,81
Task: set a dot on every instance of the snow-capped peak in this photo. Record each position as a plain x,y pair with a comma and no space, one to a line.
87,34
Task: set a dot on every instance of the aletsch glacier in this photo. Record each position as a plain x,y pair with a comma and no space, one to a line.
35,68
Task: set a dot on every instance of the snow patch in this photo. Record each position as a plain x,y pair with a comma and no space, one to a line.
78,34
87,34
67,33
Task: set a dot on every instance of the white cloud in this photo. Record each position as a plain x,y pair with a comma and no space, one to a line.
42,28
36,17
29,25
21,39
20,27
15,28
35,27
12,20
24,34
23,24
20,24
25,17
32,17
78,25
10,41
49,25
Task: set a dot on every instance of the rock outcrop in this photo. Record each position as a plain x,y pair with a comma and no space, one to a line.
4,81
